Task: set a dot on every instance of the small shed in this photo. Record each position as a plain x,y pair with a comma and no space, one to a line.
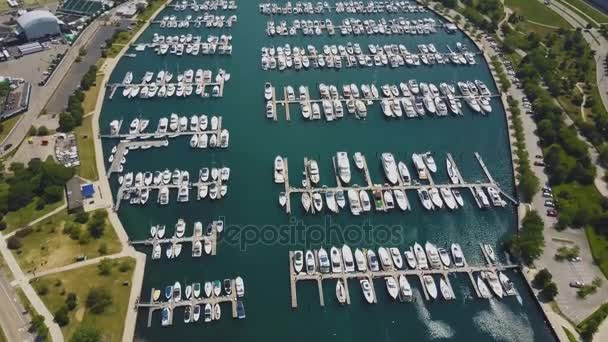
88,190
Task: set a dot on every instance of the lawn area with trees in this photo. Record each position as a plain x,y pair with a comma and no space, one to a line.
536,11
96,307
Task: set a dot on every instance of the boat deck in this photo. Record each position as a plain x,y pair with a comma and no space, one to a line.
188,239
146,135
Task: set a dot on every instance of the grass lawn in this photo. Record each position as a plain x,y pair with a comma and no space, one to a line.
2,336
587,9
86,149
27,214
7,125
571,109
90,98
537,12
111,322
599,249
571,336
48,247
528,27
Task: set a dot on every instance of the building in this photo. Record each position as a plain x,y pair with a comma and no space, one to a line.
38,24
74,194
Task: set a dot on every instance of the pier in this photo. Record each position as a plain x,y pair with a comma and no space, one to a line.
146,135
370,186
153,306
123,146
444,272
213,237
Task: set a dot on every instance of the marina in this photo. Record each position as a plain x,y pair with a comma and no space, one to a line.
121,150
368,268
188,45
206,20
359,7
204,5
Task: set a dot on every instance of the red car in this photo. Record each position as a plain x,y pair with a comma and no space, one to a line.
551,212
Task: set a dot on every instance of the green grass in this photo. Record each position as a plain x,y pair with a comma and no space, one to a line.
2,336
90,98
571,336
528,27
48,247
86,149
537,12
7,125
588,10
27,214
111,322
599,249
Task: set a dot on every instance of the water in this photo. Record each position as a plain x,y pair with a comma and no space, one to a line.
251,204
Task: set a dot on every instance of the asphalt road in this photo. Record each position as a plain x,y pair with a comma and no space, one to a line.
14,322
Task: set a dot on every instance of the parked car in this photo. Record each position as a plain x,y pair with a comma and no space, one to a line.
551,212
538,156
549,203
539,163
575,259
577,284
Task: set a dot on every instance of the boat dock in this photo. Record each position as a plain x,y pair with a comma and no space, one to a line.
146,135
123,146
204,85
153,306
370,186
319,277
213,237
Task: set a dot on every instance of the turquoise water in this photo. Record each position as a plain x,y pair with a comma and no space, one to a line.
251,205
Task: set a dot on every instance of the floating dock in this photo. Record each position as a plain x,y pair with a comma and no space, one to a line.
123,146
158,135
188,239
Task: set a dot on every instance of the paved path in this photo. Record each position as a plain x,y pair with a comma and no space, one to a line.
14,320
41,218
76,265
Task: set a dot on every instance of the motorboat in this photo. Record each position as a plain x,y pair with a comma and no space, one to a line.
490,253
430,162
391,287
324,263
168,292
457,255
196,313
336,260
180,228
311,266
240,286
494,282
166,317
372,261
196,290
359,160
177,291
458,197
481,197
217,311
401,199
347,256
433,255
340,199
343,167
367,290
317,201
208,289
444,256
385,259
484,292
410,258
298,261
405,290
279,176
435,197
448,198
396,257
354,200
217,288
425,199
390,167
506,284
208,312
429,284
420,256
420,166
404,173
446,291
188,314
306,201
340,292
240,309
389,202
452,172
360,260
313,171
365,202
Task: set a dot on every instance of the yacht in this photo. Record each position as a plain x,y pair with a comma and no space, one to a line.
324,263
180,228
494,282
391,287
404,288
340,199
188,314
317,201
208,289
430,162
336,260
420,257
313,171
389,202
354,201
481,197
446,292
390,167
347,256
372,261
404,173
360,260
166,317
448,198
298,261
420,166
401,199
484,292
452,172
429,284
177,291
435,197
425,199
506,284
396,257
208,312
495,197
410,258
359,161
444,256
490,253
343,167
385,259
240,286
433,255
457,255
330,199
365,202
279,176
367,290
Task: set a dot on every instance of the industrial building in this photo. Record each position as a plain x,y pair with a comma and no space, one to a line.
38,24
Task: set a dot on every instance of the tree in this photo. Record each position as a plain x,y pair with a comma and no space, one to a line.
81,217
86,334
528,185
71,301
105,267
61,316
13,242
97,223
529,243
42,131
542,278
53,193
549,292
98,299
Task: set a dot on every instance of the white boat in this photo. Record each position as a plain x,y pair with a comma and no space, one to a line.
240,286
340,292
324,263
390,167
389,202
372,261
343,167
391,287
404,288
396,257
306,201
336,260
360,260
404,173
196,315
444,256
420,256
208,312
446,292
367,290
430,162
340,199
268,91
448,198
490,253
188,291
208,289
217,311
366,205
359,160
410,258
457,255
484,292
429,284
420,166
452,173
330,199
425,199
313,171
317,201
506,284
311,266
298,261
401,199
166,317
177,291
354,200
458,197
347,257
385,259
494,282
196,290
180,228
153,231
433,255
279,176
435,197
207,246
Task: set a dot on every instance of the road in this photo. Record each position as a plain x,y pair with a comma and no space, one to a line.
13,317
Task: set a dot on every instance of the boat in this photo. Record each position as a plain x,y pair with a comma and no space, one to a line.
153,231
420,166
207,246
429,284
372,261
390,167
446,292
506,284
217,288
420,256
405,289
227,286
313,171
317,201
360,260
432,255
166,317
177,249
208,289
359,160
425,199
279,176
391,287
401,199
458,197
396,257
298,261
343,167
208,312
365,202
444,256
367,290
188,314
330,199
490,253
347,256
457,255
268,91
196,290
435,197
217,311
306,201
448,198
410,258
354,200
240,286
340,199
180,228
155,295
430,162
177,291
484,292
310,262
169,292
324,263
404,173
336,260
494,282
340,292
452,172
389,202
196,313
385,259
240,309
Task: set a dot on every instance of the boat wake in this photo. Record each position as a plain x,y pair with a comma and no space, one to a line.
503,324
436,329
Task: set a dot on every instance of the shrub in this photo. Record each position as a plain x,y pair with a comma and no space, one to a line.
98,299
42,289
542,278
105,267
103,249
13,243
86,334
2,225
81,217
124,266
61,316
71,301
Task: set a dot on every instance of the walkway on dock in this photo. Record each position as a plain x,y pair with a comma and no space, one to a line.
213,237
123,146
